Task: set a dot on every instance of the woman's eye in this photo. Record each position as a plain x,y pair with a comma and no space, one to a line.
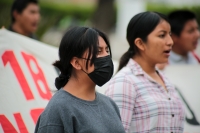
191,30
162,36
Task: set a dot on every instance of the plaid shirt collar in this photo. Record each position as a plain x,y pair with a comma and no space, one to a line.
137,70
135,67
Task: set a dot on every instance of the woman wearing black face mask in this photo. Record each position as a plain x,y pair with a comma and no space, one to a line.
85,61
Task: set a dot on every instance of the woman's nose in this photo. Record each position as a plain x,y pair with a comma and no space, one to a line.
170,42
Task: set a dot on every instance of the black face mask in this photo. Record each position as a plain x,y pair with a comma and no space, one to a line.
103,70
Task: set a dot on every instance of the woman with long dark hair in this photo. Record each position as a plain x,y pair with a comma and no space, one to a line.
85,61
147,100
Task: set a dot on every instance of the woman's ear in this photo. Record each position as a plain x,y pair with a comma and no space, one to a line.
15,14
75,63
140,44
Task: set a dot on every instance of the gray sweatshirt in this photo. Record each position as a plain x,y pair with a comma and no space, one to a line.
66,113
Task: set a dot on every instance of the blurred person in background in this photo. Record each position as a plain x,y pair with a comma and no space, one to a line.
185,34
25,16
84,61
147,100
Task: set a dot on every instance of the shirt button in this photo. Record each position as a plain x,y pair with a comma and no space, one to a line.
172,115
169,98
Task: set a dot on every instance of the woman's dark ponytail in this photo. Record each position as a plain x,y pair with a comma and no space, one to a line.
61,81
125,58
63,78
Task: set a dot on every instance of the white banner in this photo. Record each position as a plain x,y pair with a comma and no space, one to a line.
187,82
26,78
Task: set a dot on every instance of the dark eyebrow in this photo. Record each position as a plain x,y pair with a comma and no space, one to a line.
102,47
163,31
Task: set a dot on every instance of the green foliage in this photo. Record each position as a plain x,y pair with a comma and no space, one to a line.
52,14
166,9
61,15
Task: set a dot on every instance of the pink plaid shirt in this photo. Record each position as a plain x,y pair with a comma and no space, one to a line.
145,106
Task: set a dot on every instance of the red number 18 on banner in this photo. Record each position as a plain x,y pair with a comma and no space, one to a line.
38,77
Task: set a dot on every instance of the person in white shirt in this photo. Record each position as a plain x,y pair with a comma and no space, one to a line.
25,17
185,35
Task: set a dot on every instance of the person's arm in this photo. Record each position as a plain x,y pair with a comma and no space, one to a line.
51,129
37,125
123,93
52,120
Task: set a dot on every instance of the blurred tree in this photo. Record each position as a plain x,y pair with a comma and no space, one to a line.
104,15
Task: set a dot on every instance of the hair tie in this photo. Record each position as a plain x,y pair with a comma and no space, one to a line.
130,51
